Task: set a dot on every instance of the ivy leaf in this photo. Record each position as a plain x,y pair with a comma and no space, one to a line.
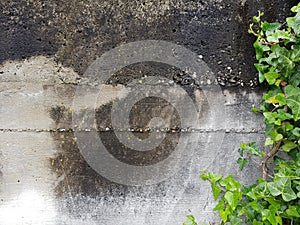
269,128
230,183
291,91
255,222
295,53
216,190
278,35
292,211
254,205
277,99
288,146
235,220
276,136
261,68
232,198
190,220
220,206
282,187
213,178
250,148
294,22
260,49
270,116
224,214
270,215
294,103
242,162
289,127
294,79
287,65
282,115
287,172
269,28
269,141
271,77
296,132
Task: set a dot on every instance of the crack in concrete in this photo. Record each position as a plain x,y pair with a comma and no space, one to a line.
166,130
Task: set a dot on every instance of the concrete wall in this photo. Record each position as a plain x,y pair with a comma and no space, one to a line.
54,110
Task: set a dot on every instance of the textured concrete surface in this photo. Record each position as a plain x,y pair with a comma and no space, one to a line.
41,162
45,50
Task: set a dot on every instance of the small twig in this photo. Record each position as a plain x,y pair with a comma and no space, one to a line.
267,158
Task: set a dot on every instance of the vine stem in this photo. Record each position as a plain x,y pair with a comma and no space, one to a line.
273,152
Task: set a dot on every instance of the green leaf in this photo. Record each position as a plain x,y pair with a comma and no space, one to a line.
255,222
230,183
286,172
294,103
282,115
216,191
276,136
235,220
214,177
269,128
294,22
190,220
260,49
288,146
270,116
220,206
271,77
291,90
269,215
270,28
250,148
282,187
224,214
269,141
294,79
292,211
261,68
289,127
255,110
279,35
242,162
296,132
277,99
254,205
295,53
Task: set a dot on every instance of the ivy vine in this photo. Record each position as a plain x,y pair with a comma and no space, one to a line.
275,198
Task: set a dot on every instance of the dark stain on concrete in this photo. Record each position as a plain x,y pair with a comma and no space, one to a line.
27,28
79,179
78,31
154,69
140,117
58,114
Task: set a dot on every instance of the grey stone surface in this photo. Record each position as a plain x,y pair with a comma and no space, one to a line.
42,163
45,50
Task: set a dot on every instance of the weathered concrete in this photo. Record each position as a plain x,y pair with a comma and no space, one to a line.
42,162
45,49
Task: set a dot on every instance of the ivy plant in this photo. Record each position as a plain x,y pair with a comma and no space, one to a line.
275,197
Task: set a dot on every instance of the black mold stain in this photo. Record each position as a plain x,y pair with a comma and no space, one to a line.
58,114
139,118
78,178
154,69
27,29
76,33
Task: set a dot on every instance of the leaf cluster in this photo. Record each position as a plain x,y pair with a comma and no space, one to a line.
275,198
